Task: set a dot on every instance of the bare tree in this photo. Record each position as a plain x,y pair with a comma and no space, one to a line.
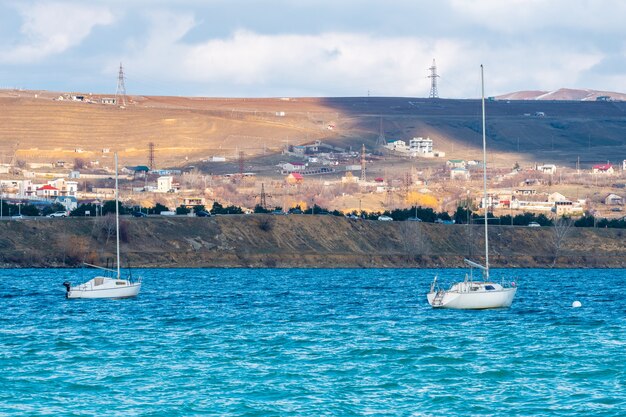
560,231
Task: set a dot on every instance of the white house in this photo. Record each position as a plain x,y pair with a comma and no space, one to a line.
547,169
613,200
455,163
606,169
459,174
398,145
554,197
421,146
70,203
164,183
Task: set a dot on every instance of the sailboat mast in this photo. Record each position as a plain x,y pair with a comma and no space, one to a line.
117,220
482,86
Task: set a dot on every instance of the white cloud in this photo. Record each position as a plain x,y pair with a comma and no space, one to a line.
52,28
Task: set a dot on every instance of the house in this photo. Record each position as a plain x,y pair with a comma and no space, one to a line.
69,202
292,167
164,184
606,169
556,197
139,171
459,174
299,149
455,163
525,191
107,100
193,201
47,191
420,146
398,146
613,200
567,208
547,169
5,168
294,178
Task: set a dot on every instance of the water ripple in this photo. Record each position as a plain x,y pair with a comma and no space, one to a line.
311,342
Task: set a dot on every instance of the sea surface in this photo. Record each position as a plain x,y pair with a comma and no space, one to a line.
308,342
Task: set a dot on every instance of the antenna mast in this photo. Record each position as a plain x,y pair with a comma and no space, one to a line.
433,81
120,94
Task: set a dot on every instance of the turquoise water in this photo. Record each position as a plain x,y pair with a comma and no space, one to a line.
304,342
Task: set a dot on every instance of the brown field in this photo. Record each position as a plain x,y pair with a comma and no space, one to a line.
36,128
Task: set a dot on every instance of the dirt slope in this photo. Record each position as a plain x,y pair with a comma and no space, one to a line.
296,241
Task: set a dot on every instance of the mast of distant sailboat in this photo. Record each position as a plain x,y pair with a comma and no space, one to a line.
117,219
482,86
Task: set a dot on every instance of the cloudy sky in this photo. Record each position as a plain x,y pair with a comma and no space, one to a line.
273,48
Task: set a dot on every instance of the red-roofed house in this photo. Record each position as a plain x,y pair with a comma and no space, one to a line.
603,169
295,178
47,191
379,179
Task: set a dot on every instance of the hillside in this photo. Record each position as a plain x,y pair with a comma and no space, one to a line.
296,241
186,130
563,94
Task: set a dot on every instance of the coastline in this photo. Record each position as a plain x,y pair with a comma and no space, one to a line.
298,241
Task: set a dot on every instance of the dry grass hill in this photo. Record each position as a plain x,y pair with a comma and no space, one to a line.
36,127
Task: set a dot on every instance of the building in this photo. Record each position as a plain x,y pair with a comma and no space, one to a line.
606,169
107,100
292,167
613,200
294,178
459,174
164,184
421,147
547,169
398,146
567,208
47,191
556,197
69,202
455,163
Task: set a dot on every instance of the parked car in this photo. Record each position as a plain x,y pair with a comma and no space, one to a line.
534,224
278,212
203,213
353,217
414,219
295,211
139,214
385,219
17,217
58,214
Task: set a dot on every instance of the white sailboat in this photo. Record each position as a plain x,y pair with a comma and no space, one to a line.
113,285
469,294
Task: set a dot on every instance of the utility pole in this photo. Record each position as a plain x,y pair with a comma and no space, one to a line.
151,155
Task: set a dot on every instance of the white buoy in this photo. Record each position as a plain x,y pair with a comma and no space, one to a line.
576,304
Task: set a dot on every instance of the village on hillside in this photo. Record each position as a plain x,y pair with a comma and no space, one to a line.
317,174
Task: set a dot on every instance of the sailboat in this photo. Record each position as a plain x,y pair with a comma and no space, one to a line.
469,294
110,285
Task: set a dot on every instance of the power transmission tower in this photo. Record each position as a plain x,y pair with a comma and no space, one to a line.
433,81
120,94
381,135
241,163
363,178
389,199
263,197
151,155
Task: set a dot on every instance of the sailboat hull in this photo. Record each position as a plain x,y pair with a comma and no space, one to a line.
472,300
104,287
